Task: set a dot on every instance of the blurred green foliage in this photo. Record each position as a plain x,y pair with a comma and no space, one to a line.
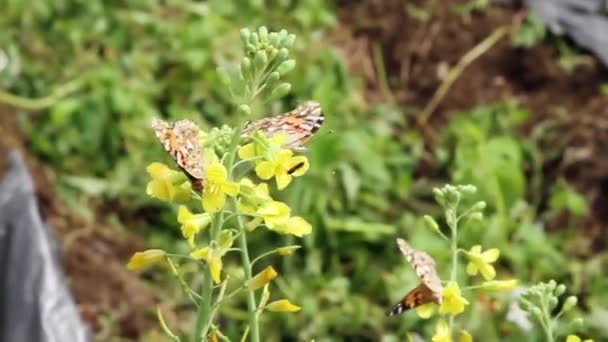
133,60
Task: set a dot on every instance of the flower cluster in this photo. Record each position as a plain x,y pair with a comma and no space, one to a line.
479,262
217,211
542,299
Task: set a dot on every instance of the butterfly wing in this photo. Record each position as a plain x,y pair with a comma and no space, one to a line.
298,125
424,266
180,140
418,296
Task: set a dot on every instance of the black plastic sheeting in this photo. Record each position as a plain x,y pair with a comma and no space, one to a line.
35,301
585,21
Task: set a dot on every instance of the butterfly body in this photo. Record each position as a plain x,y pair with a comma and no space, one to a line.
298,125
180,139
430,288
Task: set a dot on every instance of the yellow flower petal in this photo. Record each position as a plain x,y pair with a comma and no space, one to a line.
265,169
213,201
426,310
262,278
487,271
498,285
283,180
294,225
453,303
296,161
442,332
247,151
465,336
274,213
201,253
215,266
230,188
183,214
491,255
146,258
573,338
282,305
216,172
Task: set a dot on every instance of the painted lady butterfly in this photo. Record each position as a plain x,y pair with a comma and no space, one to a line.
299,125
429,290
180,139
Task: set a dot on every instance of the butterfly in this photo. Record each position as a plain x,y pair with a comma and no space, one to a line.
430,288
180,139
298,125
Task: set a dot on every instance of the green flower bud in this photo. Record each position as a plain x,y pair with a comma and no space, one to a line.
289,41
478,216
260,60
245,68
481,205
431,224
570,303
552,303
536,312
244,110
551,285
439,196
560,289
250,49
274,39
283,54
272,79
245,35
469,189
272,53
255,39
280,91
286,66
263,33
525,304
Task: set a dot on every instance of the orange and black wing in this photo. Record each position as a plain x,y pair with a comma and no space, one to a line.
418,296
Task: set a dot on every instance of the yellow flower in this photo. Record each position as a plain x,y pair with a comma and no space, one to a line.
143,259
442,332
253,196
213,256
498,285
481,262
191,223
283,166
282,305
465,336
426,310
574,338
262,278
453,303
294,225
217,187
167,184
261,146
274,213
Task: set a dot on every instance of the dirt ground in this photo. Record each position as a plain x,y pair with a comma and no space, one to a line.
94,254
414,54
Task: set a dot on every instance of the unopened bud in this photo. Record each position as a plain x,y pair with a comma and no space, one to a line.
570,303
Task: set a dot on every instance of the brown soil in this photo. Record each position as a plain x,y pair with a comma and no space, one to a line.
416,54
94,254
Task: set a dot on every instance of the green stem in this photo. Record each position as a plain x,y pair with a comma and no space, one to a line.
251,304
454,249
203,315
42,102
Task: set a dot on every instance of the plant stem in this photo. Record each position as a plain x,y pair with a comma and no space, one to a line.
454,249
251,304
203,315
